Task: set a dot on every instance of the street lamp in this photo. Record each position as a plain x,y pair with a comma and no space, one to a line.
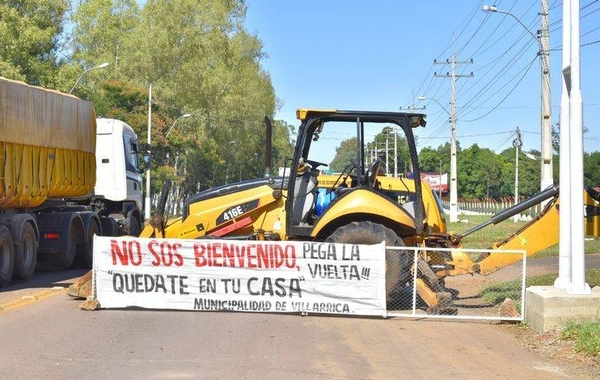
545,118
453,179
101,66
179,118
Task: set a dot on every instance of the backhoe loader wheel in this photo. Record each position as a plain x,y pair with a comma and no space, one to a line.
397,262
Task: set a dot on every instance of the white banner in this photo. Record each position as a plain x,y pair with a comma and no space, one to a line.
255,276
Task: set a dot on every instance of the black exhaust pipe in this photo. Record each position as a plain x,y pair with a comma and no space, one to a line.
268,137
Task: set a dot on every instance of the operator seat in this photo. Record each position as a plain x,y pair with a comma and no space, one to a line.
374,169
304,194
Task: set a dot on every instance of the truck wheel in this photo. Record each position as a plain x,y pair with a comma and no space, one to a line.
26,253
397,272
85,255
109,226
133,226
65,258
6,256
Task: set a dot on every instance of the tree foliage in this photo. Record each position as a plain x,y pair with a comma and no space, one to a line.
29,40
198,58
480,173
345,155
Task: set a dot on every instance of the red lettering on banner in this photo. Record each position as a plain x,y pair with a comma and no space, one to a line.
251,256
229,255
168,255
215,254
156,261
129,251
178,258
199,252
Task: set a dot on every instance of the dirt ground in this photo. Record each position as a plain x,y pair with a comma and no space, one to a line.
549,345
559,351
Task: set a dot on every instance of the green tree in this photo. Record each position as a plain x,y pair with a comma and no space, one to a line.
430,160
199,59
345,155
591,165
479,173
29,40
529,173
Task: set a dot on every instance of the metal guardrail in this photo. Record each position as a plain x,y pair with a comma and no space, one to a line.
490,207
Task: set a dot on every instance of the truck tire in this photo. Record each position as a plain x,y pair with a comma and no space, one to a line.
26,253
133,226
85,254
109,226
66,258
7,259
397,272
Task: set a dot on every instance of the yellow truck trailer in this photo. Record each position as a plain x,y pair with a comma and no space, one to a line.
64,176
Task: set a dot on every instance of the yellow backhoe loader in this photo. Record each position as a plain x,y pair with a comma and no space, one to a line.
358,205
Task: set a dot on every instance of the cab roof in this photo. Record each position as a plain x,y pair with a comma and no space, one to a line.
415,119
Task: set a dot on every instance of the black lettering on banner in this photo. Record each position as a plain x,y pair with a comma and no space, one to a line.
232,305
321,307
334,272
327,251
353,255
235,285
207,285
149,283
274,287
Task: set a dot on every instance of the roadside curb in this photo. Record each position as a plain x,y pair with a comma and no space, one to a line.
29,299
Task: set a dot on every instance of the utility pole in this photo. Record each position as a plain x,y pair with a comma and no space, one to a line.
517,143
387,153
453,180
411,107
147,202
546,178
395,154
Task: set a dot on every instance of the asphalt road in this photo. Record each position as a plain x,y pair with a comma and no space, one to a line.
51,338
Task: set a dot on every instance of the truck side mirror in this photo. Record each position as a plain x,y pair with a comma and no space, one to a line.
146,160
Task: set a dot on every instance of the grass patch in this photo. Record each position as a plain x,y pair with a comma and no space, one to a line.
585,337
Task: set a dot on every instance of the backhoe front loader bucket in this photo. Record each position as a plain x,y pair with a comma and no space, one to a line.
82,287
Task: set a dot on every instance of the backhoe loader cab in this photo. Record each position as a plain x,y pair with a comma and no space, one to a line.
285,207
358,196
